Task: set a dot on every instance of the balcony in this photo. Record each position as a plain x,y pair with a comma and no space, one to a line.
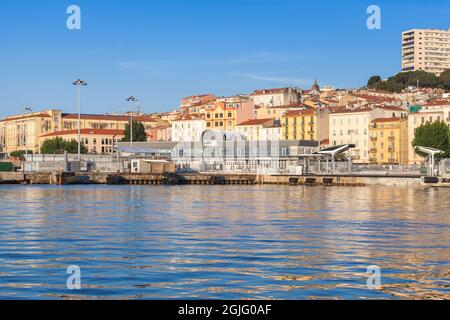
373,150
391,150
392,138
373,138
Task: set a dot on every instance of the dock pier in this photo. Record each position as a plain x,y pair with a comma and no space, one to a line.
62,178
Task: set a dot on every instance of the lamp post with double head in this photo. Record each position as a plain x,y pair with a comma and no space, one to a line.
133,100
79,83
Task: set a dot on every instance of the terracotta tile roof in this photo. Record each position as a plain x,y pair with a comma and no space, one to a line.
255,122
189,117
374,98
298,105
393,119
299,112
31,116
437,103
356,110
107,117
269,91
202,97
106,132
392,108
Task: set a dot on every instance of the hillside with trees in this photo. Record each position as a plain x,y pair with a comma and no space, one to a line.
404,80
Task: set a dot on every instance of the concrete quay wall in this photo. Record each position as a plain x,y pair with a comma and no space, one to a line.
349,180
215,179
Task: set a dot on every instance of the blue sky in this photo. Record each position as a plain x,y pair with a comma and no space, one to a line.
160,51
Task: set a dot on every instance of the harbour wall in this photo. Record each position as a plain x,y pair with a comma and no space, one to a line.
206,179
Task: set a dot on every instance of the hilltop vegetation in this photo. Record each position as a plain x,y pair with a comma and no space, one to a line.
404,80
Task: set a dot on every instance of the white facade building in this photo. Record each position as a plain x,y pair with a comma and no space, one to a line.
260,130
271,133
188,128
276,97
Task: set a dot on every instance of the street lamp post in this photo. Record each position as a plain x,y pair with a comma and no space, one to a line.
79,83
26,130
133,100
319,107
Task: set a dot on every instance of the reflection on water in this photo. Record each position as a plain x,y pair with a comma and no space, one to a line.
225,242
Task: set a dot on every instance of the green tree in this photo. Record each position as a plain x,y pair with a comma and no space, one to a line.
403,80
444,79
389,86
20,154
373,81
139,134
424,79
72,147
58,146
433,135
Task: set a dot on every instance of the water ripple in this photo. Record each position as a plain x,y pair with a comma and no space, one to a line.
224,242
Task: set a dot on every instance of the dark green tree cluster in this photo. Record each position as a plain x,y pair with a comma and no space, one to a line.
433,135
403,80
20,154
139,134
58,146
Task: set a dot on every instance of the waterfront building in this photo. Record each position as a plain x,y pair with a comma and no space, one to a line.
426,49
160,133
389,141
226,113
271,132
188,128
24,132
269,112
252,130
351,126
169,116
437,110
304,125
229,152
149,149
276,97
196,103
97,141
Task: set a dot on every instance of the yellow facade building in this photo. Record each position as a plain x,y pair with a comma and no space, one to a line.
304,125
275,113
27,132
221,118
96,141
389,141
